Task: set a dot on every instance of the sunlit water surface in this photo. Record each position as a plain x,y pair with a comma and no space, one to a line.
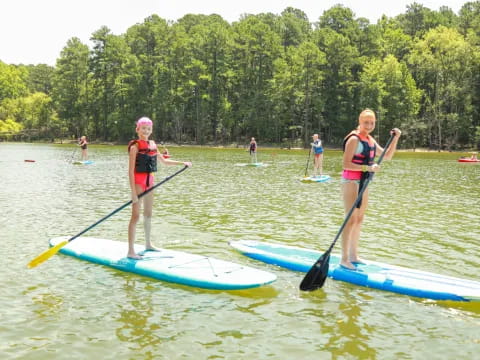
423,213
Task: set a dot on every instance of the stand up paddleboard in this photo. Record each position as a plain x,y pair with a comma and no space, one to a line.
251,164
167,265
372,274
84,162
316,179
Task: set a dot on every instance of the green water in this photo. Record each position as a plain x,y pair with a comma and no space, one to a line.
424,214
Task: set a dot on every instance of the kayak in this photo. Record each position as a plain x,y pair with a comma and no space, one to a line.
167,265
166,156
372,274
29,160
468,160
316,179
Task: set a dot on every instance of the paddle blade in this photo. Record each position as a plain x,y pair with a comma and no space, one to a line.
317,274
46,254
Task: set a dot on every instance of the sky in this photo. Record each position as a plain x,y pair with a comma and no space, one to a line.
35,32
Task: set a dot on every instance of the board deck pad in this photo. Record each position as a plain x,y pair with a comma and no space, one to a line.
167,265
372,274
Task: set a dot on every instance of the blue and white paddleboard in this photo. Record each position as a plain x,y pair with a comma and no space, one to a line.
167,265
316,179
372,274
257,164
83,162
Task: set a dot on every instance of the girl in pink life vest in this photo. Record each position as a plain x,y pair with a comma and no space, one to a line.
142,163
359,153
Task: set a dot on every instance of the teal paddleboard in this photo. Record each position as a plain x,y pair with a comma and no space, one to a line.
372,274
259,164
167,265
316,179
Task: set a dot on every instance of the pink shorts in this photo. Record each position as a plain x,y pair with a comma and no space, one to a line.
351,175
141,179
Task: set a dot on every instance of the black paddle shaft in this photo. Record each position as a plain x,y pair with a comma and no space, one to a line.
128,203
308,160
317,274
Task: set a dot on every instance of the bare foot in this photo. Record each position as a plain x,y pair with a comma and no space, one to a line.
348,265
135,256
152,248
357,261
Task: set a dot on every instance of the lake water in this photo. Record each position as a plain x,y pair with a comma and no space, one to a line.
423,214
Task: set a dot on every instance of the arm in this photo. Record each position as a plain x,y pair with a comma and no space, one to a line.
350,148
393,145
132,156
317,145
169,162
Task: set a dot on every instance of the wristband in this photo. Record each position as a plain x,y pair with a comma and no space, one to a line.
364,168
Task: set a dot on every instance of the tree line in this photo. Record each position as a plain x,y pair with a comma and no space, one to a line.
276,77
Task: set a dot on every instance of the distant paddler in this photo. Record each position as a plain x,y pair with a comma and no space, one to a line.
253,151
318,156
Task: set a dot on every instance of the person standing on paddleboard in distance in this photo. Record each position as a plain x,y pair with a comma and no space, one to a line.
253,150
142,163
359,149
83,145
318,155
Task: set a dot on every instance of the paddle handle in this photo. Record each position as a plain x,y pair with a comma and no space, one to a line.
127,204
360,194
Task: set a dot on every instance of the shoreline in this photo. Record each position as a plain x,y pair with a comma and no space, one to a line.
231,146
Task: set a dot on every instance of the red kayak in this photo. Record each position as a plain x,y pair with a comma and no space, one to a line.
165,156
29,160
468,160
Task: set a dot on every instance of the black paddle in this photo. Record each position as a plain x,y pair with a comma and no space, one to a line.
308,160
73,153
53,250
318,273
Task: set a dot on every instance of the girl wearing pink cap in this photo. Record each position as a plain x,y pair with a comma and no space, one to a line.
143,156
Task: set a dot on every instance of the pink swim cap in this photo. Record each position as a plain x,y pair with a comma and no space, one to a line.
144,121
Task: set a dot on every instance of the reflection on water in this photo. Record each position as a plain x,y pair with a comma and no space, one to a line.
423,213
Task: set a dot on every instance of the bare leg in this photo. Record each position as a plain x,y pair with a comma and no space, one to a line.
350,192
132,228
147,221
355,234
320,163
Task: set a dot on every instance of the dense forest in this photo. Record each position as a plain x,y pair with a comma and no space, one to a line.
276,77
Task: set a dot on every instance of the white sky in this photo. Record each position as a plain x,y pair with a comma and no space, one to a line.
35,31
